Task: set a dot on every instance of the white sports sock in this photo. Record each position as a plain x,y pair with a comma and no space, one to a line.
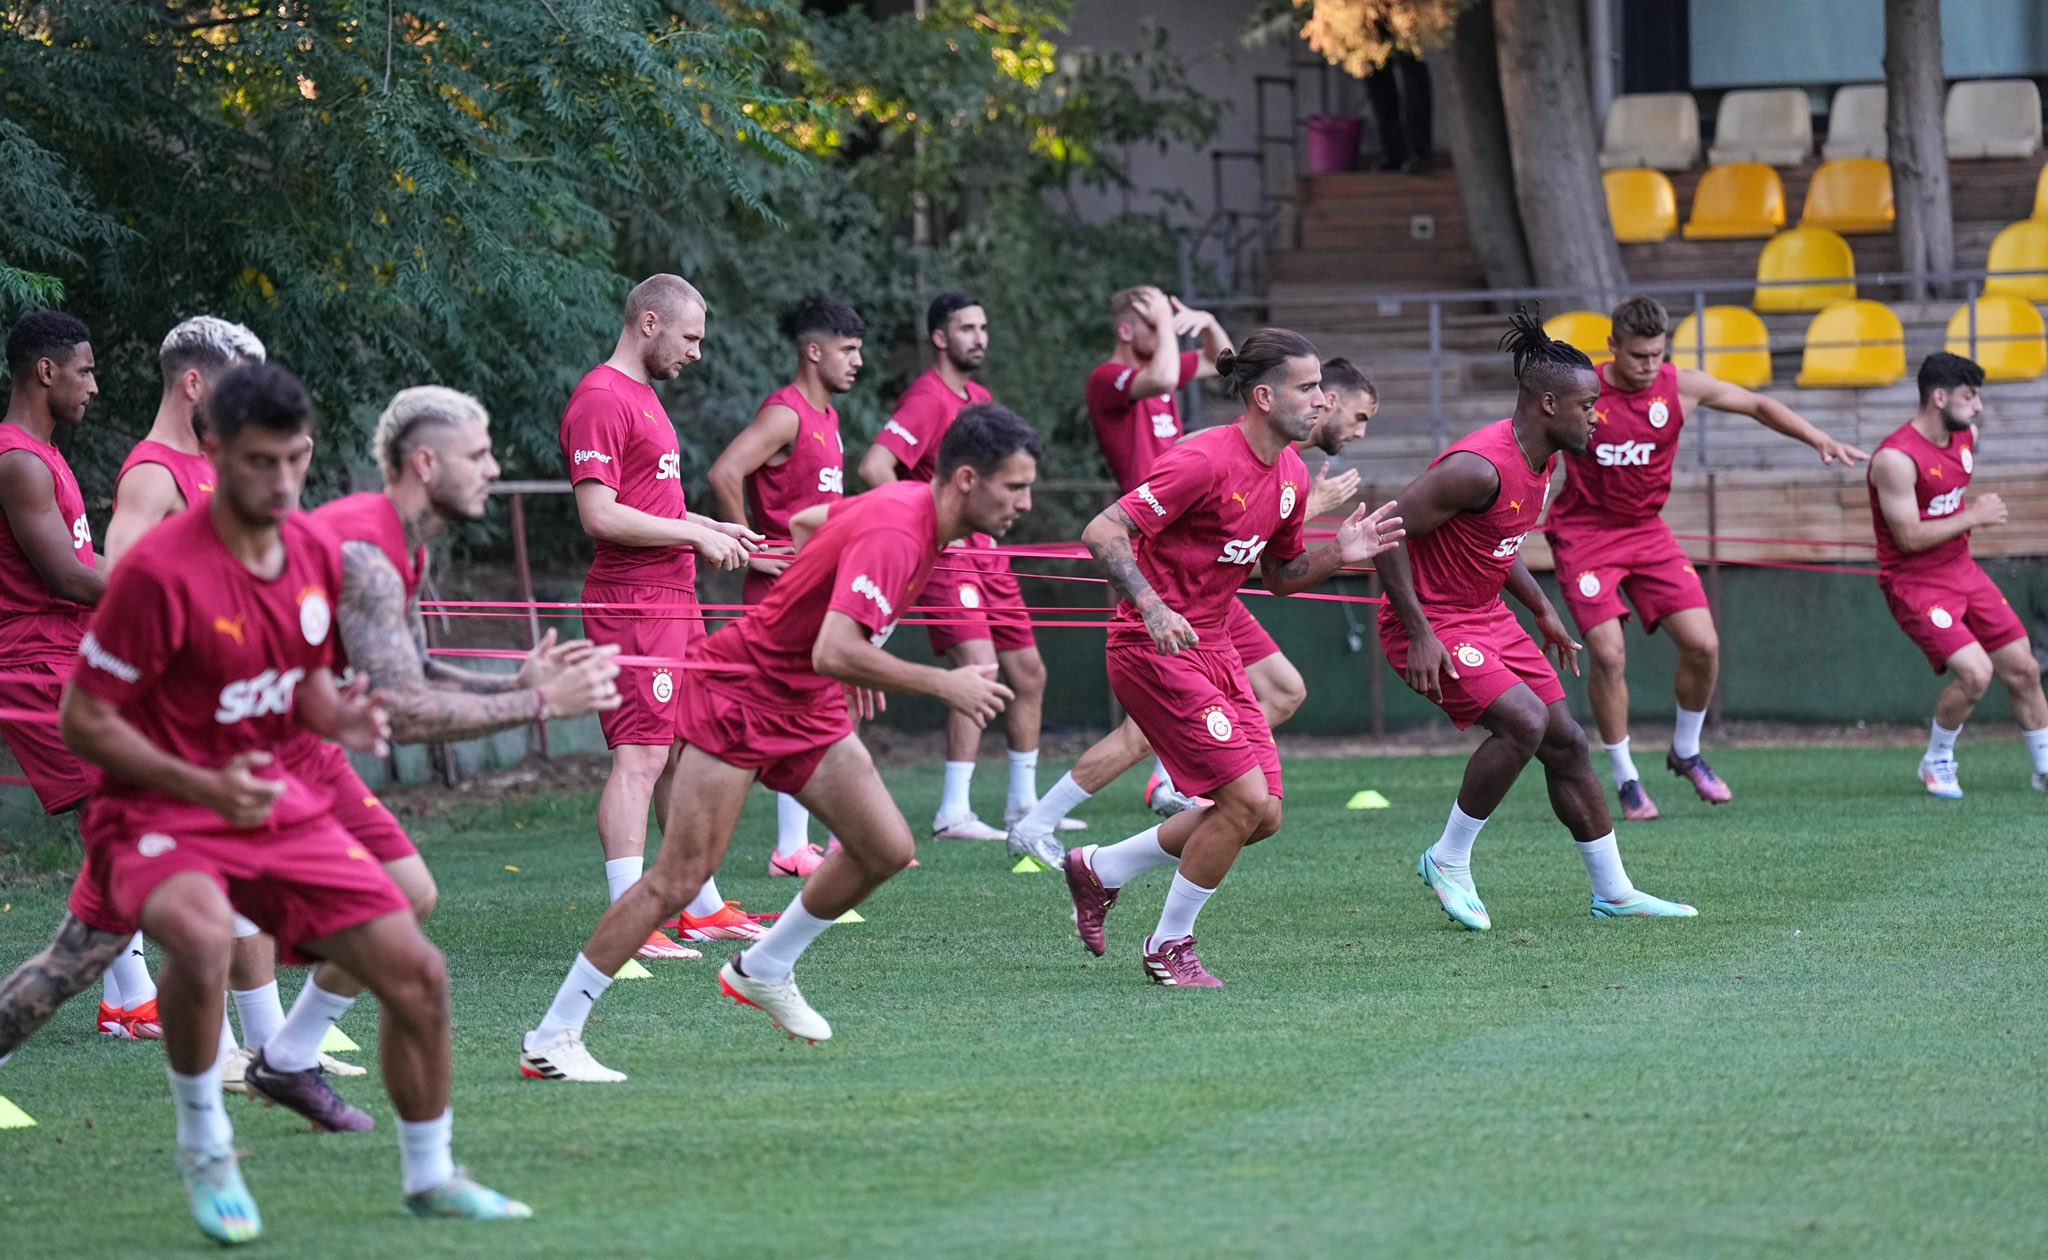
1941,744
1184,900
954,803
1685,737
774,956
579,992
426,1151
1603,867
792,825
262,1013
245,927
110,991
622,873
1052,808
1454,847
2037,748
202,1121
1023,780
1159,768
131,973
296,1046
707,902
227,1037
1624,764
1118,864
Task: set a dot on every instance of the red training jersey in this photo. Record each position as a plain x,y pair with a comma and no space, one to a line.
372,518
1940,476
36,626
204,658
927,410
1134,432
869,561
1464,562
1208,514
615,431
192,472
814,473
1624,477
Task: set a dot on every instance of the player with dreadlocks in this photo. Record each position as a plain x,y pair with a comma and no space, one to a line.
1446,629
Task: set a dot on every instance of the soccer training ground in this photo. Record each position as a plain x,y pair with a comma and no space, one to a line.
1842,1056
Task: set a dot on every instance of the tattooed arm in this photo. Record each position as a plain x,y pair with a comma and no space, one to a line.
386,640
73,961
1108,539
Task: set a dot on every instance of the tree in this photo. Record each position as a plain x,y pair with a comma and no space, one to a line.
1918,142
1479,150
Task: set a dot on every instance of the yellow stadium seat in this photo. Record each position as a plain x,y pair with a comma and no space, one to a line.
1853,344
1587,330
1641,204
1819,261
2020,247
1738,346
2041,194
2012,340
1852,196
1741,199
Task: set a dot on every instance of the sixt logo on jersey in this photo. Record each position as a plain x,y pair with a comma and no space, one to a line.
669,467
267,694
1243,550
865,585
1509,546
1624,454
831,481
584,457
1945,504
81,535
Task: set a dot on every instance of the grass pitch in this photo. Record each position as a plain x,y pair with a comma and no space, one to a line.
1843,1056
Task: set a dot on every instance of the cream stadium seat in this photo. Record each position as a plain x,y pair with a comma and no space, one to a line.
2011,341
1994,118
1804,269
1856,125
1736,202
1660,130
1772,126
1641,204
1738,346
1853,345
1852,196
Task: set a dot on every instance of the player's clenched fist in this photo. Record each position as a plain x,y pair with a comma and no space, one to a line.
1170,631
240,795
972,691
1989,510
586,682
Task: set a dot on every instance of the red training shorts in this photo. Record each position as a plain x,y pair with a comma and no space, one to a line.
61,778
1596,567
1490,650
654,621
972,595
1945,613
780,744
301,883
1250,639
1198,712
325,768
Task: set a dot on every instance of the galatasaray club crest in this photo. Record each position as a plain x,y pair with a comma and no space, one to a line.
1286,500
664,686
1589,584
1660,414
1941,618
1218,723
1969,461
970,595
1468,656
315,617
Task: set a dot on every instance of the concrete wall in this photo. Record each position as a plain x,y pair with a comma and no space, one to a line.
1740,43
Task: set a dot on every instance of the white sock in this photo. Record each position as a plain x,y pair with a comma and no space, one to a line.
1052,808
579,992
1184,900
774,956
245,927
792,825
622,873
1454,847
296,1046
953,803
1941,744
707,901
1624,765
2037,748
426,1150
1685,737
1603,867
227,1038
1118,864
110,989
1159,768
262,1013
1023,780
130,973
202,1121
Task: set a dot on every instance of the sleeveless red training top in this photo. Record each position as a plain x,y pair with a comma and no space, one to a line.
371,518
1625,475
36,626
814,473
1940,475
1464,562
192,473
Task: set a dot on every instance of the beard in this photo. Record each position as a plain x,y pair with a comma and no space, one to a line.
962,363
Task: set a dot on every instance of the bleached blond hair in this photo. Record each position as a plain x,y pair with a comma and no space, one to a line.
412,414
207,342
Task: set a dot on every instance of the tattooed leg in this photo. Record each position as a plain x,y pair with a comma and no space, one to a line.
74,961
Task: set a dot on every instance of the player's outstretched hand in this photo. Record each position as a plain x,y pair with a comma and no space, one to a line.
972,691
588,684
361,722
1831,450
1427,664
1558,641
1989,509
240,796
1330,493
770,566
1170,631
1364,535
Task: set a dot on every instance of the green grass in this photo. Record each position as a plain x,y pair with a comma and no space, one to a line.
1843,1056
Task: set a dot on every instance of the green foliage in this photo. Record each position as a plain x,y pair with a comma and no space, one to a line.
461,190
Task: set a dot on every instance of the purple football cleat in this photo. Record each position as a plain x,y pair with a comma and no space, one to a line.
1636,805
1701,775
1091,900
307,1093
1175,964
